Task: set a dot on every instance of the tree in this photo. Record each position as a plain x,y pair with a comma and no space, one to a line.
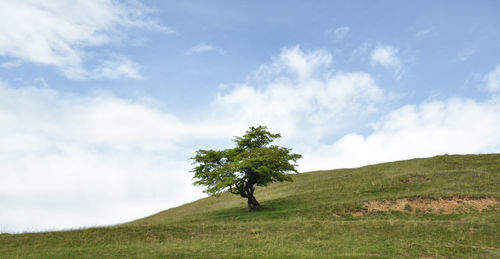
253,162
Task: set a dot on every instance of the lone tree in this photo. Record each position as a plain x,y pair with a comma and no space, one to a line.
252,162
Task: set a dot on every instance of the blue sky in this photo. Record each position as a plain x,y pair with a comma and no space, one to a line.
103,102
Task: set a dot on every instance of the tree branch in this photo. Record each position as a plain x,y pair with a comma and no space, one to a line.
231,190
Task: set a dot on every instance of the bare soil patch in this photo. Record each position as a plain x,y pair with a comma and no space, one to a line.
442,205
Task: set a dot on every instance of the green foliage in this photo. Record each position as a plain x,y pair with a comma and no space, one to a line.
252,162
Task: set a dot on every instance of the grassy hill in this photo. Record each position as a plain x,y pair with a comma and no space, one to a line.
441,207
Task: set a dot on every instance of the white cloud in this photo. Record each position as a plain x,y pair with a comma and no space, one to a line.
298,90
387,56
203,47
295,63
339,33
492,80
454,126
71,161
59,33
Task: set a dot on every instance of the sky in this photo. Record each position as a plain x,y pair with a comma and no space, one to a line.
103,102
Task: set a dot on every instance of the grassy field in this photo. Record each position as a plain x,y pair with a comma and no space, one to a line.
311,217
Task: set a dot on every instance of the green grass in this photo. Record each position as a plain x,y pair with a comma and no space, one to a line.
308,218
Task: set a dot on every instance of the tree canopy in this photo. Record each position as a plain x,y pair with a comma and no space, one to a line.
253,162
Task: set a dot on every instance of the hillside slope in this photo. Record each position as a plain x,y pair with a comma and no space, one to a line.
443,207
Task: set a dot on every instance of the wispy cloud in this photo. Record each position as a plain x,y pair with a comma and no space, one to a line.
11,64
203,47
59,33
387,56
339,33
40,81
424,33
466,53
115,68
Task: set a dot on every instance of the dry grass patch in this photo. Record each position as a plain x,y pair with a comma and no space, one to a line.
441,205
415,179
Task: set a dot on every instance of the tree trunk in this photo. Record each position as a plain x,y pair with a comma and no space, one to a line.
253,204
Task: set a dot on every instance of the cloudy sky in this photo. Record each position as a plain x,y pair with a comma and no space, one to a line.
103,102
